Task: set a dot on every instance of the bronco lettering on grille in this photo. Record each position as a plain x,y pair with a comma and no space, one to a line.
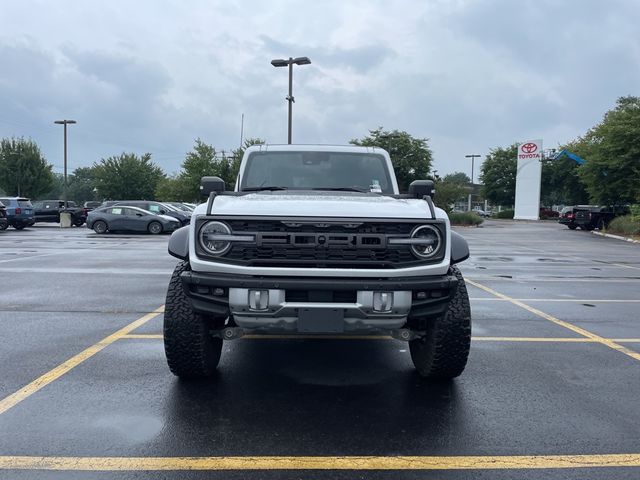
322,240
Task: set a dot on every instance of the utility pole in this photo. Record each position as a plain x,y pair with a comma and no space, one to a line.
64,190
472,157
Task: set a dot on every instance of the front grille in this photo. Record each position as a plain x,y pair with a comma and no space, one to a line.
347,226
344,243
301,257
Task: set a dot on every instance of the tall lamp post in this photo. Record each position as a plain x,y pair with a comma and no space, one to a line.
472,157
289,63
64,190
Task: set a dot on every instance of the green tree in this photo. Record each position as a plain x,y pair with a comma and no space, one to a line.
450,189
498,175
199,162
458,178
561,183
127,177
81,185
170,189
411,157
23,169
236,159
611,149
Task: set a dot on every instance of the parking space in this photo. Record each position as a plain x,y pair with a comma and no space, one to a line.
550,390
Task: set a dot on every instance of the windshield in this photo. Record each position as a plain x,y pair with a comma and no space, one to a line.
317,170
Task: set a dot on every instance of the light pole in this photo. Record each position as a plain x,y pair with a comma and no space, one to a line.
64,190
284,63
472,157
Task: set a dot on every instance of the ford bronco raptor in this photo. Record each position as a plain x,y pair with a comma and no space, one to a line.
317,240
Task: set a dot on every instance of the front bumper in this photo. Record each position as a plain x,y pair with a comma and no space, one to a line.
318,305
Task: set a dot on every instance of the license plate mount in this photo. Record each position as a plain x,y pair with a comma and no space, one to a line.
320,320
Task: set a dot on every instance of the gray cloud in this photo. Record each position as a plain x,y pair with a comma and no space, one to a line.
469,75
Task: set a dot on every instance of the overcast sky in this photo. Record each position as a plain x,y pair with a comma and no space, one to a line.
469,75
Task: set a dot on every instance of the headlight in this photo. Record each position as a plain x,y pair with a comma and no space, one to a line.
214,247
426,241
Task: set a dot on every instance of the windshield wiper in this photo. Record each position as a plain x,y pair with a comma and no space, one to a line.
342,189
258,189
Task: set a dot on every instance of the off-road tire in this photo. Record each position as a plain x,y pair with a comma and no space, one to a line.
191,351
100,227
155,228
442,353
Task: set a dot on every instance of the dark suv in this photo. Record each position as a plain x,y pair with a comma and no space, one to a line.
50,210
589,217
19,212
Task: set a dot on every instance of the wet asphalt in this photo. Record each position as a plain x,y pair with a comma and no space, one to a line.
62,291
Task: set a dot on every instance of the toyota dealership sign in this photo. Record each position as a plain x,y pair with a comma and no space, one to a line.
528,178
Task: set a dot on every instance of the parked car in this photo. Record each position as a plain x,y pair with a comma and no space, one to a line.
130,219
50,210
181,206
154,207
19,212
568,217
482,213
4,223
546,212
590,217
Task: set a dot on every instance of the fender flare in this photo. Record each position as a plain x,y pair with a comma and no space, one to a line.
179,243
459,248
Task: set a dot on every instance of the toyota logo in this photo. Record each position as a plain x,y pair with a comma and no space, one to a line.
529,147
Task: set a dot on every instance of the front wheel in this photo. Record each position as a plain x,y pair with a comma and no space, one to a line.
191,351
100,227
155,228
442,353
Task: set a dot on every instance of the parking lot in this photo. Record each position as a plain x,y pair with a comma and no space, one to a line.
551,389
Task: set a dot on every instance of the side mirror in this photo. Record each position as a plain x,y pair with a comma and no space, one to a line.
162,212
211,184
138,215
421,188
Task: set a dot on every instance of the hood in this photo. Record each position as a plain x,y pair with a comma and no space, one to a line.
319,204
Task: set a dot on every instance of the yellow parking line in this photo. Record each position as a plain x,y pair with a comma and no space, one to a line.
159,336
581,331
535,339
319,463
52,375
557,300
148,336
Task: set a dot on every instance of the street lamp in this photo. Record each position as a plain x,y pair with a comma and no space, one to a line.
289,63
64,190
472,157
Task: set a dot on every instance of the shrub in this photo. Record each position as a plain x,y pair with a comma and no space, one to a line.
465,218
626,225
505,214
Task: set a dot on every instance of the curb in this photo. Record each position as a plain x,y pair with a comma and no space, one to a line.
617,237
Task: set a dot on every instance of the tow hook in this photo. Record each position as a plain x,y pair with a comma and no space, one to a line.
230,333
405,334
